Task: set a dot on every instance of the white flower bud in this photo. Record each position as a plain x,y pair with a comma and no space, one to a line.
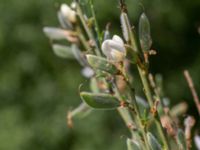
68,13
73,5
87,72
114,49
197,142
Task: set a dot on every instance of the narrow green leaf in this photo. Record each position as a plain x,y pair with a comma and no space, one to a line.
80,57
62,51
144,33
94,85
101,64
100,101
128,33
181,140
81,111
131,55
142,104
132,145
125,26
153,142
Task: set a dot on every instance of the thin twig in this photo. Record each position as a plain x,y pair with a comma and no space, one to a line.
192,89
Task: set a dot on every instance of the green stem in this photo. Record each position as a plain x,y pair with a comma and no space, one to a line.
88,31
126,116
138,115
139,121
147,91
95,22
143,75
124,112
136,111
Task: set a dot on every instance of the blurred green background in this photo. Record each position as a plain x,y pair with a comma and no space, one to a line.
37,88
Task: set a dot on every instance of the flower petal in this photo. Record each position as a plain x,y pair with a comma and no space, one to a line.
117,55
114,49
116,46
68,13
118,39
106,48
65,9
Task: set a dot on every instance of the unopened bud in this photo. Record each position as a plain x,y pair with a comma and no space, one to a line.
68,13
87,72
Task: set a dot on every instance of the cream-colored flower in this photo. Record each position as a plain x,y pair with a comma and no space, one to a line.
68,13
114,49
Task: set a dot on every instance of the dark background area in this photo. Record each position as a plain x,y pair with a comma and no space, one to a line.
37,88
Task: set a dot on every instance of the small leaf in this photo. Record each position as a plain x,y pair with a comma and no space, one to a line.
81,111
159,83
94,85
179,109
144,33
106,35
80,57
100,101
62,51
132,145
101,64
128,32
153,142
131,55
125,26
142,104
181,140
